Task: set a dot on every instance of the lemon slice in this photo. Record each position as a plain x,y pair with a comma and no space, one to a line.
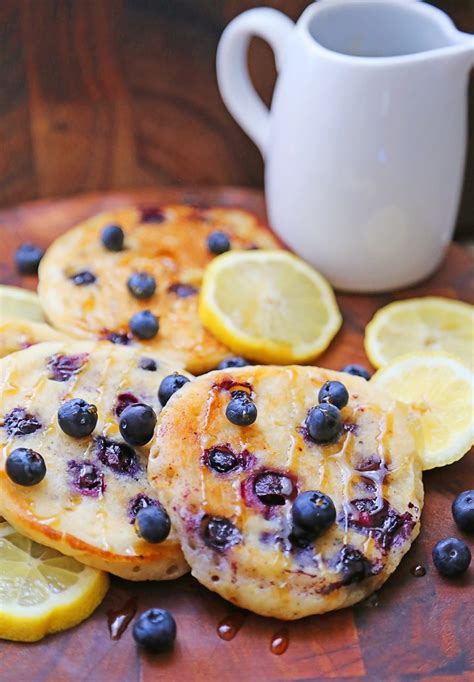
42,591
440,388
417,324
20,303
269,306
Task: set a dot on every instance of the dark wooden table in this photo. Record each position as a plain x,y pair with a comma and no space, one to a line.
413,629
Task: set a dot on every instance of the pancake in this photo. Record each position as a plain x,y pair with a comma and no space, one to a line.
235,527
16,334
85,513
170,244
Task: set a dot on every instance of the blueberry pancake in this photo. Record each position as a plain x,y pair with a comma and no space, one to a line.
68,477
17,334
294,490
132,276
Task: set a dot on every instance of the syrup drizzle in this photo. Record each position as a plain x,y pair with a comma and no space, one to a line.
230,625
119,619
280,642
418,571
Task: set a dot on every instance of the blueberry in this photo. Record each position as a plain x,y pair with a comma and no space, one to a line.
353,565
83,278
241,410
77,418
137,424
183,290
273,488
25,467
222,459
323,423
335,393
169,386
463,511
155,630
121,458
138,503
27,258
313,512
220,533
86,478
357,371
148,364
451,557
218,242
153,524
112,237
232,361
144,325
141,285
19,422
63,367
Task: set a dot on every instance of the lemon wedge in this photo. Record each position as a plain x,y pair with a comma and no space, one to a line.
421,324
440,389
42,591
20,303
269,306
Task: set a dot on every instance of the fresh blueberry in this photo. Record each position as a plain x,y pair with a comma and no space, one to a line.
148,364
155,630
77,418
218,242
232,361
83,278
153,524
25,467
357,371
144,325
141,285
27,258
451,557
241,410
323,423
169,386
335,393
112,237
137,424
463,511
313,512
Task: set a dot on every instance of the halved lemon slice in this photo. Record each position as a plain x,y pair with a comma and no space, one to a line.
20,303
440,388
418,324
42,591
269,306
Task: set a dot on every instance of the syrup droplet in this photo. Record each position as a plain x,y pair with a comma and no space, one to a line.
280,642
418,571
230,625
119,619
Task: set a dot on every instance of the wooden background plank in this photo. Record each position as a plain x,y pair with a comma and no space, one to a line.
106,94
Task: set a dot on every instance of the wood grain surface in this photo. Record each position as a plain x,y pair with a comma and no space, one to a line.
107,94
413,629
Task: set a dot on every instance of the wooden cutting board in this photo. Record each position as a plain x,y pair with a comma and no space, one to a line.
415,628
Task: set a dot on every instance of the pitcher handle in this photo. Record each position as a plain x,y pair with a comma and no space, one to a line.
233,78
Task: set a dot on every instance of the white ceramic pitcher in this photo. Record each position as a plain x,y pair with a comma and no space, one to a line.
364,145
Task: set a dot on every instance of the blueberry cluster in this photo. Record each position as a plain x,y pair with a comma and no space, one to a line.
452,556
324,422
